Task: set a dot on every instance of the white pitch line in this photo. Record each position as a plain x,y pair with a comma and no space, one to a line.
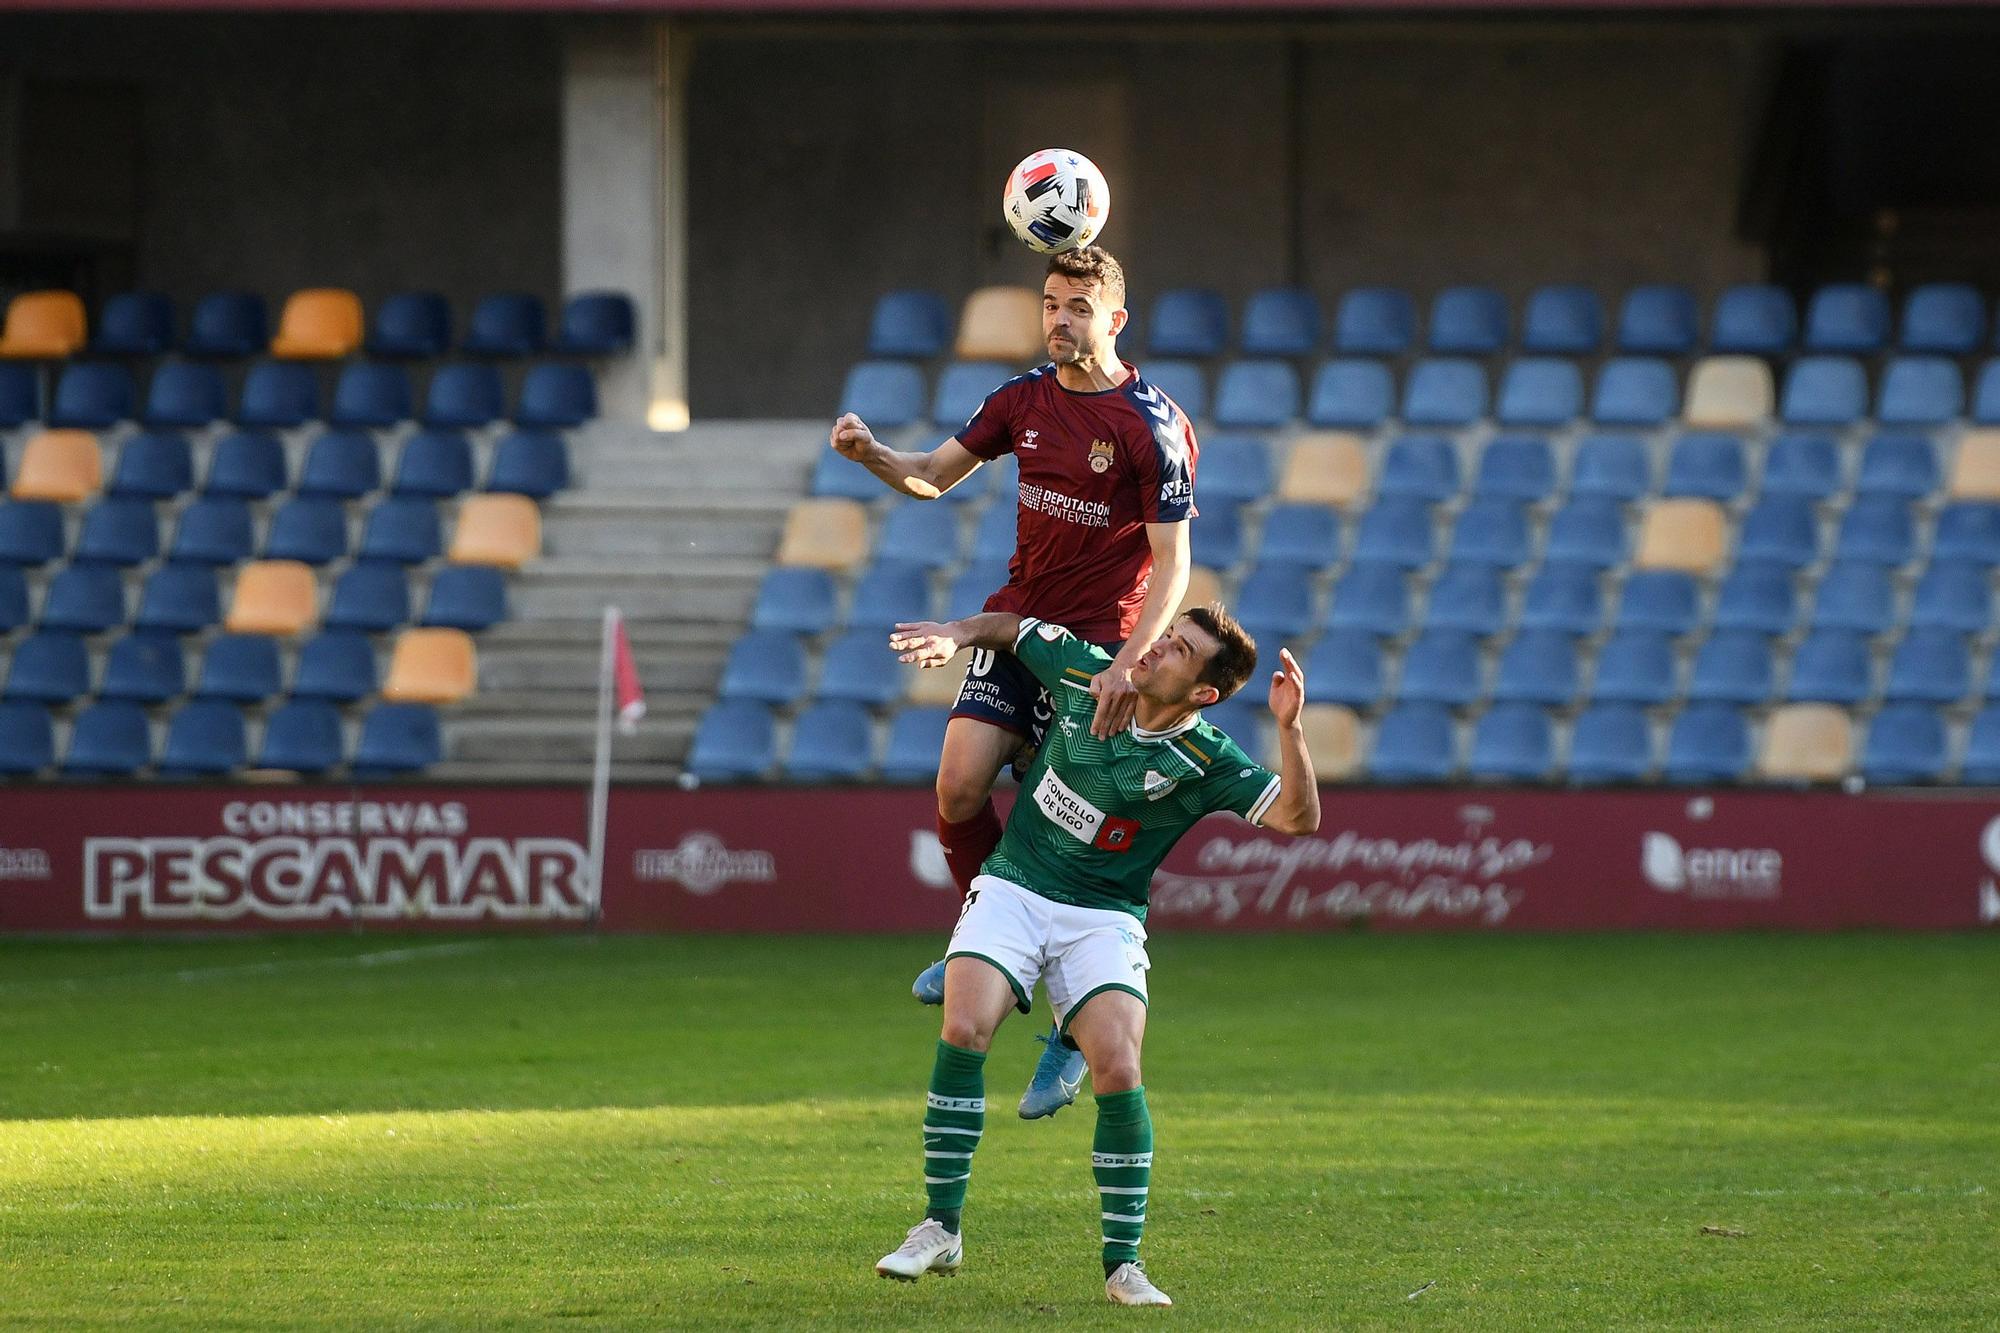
376,959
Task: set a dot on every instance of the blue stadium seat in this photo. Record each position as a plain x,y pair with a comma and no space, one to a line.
398,738
1442,392
467,597
909,325
1803,465
1635,391
1847,317
1831,666
1733,667
371,394
1491,532
1257,395
337,664
1610,743
506,324
961,390
279,395
153,467
1415,742
1969,531
1667,600
403,529
974,488
1707,743
1374,321
20,395
891,592
1216,538
888,395
1538,667
554,393
916,735
1275,602
1986,395
1423,467
1516,467
1244,720
92,395
1877,528
1930,666
1948,318
302,736
205,738
248,464
535,463
111,739
1635,667
919,533
145,668
186,394
242,668
1899,464
796,599
1754,318
1707,464
1920,391
1953,596
1512,742
214,530
437,463
1756,596
1824,391
134,324
27,739
1611,467
119,531
311,528
1780,530
1982,750
342,464
1587,531
410,326
1854,596
1565,320
1188,321
1182,381
464,395
14,611
1468,321
178,599
1564,597
1235,469
597,324
996,535
1441,667
1351,395
1905,746
1307,535
1658,320
1280,321
978,581
1540,391
858,667
768,666
227,325
31,532
1345,667
831,742
1468,597
1395,531
369,595
49,666
88,599
1371,597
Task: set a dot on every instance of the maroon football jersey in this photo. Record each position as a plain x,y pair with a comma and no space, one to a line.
1095,469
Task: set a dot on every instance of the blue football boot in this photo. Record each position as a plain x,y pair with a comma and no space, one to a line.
929,988
1058,1078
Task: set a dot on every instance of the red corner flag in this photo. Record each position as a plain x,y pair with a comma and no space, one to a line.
625,676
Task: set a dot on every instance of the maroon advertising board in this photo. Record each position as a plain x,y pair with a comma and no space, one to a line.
786,860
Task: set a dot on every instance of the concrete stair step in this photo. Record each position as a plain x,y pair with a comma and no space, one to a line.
558,741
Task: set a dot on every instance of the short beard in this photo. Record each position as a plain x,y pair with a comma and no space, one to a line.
1078,353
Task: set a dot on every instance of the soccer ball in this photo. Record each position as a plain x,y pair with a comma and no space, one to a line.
1057,200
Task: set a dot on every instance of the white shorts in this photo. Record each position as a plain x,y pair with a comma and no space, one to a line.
1075,951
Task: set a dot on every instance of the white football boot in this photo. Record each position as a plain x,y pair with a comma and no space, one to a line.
1129,1285
929,1248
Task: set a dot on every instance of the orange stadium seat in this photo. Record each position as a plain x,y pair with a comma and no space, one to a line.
937,687
43,326
1729,391
829,533
432,666
1328,467
1204,586
503,530
1975,468
273,597
1690,535
61,465
1001,324
1806,743
319,324
1333,739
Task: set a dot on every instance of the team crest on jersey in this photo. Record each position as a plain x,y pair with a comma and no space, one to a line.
1158,785
1101,454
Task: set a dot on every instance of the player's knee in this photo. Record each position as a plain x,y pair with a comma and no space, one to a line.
962,791
965,1033
1116,1072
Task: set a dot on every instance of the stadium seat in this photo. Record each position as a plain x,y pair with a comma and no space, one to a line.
398,738
800,601
341,464
1728,393
404,529
1803,465
1415,742
14,611
1831,666
1847,317
1947,318
916,735
319,324
1351,394
1441,667
1204,587
1805,743
467,597
909,325
1471,598
1444,392
185,394
49,666
1982,749
308,528
272,597
248,464
1855,595
1216,538
1920,391
1491,532
1333,740
597,324
1825,391
1187,321
1275,603
242,668
1328,468
1540,391
1612,467
1635,667
1658,320
1733,667
1468,321
1707,743
1589,530
891,592
506,324
1000,324
1280,321
503,530
336,664
1537,667
767,666
134,324
20,396
1931,666
464,395
969,591
1667,600
228,325
1512,742
1371,597
1756,596
1708,465
369,595
1374,321
88,599
1515,467
431,665
118,532
1395,531
1562,320
31,532
92,395
410,326
43,326
1610,743
1423,467
1306,535
858,667
145,668
961,391
536,463
1635,391
888,395
27,740
831,742
921,534
278,395
1985,410
178,599
1256,395
1898,464
1877,528
434,464
994,538
1345,667
1969,531
1905,746
1181,381
1235,469
1563,597
302,736
214,530
372,394
554,393
1780,530
1953,596
1975,467
1689,535
110,739
1244,720
1753,318
205,738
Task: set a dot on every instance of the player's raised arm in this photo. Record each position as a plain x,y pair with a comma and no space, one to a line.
1296,811
926,476
1117,699
928,643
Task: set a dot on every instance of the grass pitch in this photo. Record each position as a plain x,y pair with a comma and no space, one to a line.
1353,1131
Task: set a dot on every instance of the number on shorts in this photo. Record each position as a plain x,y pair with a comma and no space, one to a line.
982,661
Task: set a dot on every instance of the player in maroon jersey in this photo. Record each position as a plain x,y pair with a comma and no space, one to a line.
1107,466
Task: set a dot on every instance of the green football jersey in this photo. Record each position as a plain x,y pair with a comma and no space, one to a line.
1096,817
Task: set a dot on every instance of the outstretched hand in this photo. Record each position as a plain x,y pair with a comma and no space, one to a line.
924,643
1117,700
1288,689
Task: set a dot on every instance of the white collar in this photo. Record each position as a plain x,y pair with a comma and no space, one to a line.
1185,725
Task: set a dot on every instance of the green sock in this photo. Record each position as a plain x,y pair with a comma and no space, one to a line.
1121,1157
954,1118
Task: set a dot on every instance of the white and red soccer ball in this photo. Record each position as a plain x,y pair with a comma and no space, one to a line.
1056,200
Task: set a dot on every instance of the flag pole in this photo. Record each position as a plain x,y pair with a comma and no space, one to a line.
600,777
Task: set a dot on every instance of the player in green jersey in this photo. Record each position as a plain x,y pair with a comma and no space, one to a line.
1062,899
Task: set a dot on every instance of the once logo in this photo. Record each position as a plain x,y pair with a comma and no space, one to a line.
23,863
1711,872
702,864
